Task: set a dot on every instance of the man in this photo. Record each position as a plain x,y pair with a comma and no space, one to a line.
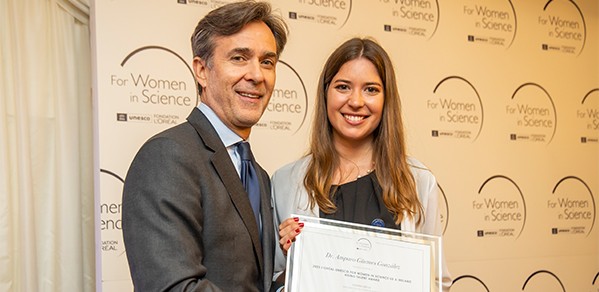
188,224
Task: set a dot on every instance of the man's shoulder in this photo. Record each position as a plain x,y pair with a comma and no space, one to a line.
187,128
179,130
181,135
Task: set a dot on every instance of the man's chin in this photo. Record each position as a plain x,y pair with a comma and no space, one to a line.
249,121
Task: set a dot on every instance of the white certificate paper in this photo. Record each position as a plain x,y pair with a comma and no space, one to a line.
331,255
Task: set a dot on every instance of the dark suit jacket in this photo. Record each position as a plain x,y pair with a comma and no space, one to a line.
187,221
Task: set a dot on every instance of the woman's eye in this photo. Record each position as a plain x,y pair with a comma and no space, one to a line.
342,87
372,90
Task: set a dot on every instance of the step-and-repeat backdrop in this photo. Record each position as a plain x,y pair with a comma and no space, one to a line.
500,97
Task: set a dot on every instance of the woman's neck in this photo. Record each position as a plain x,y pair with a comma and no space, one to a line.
355,161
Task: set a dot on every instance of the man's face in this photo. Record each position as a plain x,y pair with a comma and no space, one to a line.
239,79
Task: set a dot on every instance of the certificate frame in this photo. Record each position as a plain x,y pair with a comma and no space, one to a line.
331,255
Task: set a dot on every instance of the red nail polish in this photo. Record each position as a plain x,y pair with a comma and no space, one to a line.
301,224
297,231
288,241
295,219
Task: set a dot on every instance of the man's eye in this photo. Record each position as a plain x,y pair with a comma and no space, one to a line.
268,62
238,58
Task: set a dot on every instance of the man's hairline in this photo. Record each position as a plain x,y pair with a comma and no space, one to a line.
214,38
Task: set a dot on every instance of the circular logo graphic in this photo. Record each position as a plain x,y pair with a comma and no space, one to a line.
588,117
500,207
110,205
572,207
408,17
456,109
288,107
468,283
363,244
490,22
563,27
595,282
443,209
112,247
152,85
532,113
541,280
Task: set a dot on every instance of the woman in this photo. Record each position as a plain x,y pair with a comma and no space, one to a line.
356,169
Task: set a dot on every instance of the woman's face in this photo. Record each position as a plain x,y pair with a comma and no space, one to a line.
355,100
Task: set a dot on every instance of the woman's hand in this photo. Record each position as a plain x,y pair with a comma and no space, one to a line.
288,230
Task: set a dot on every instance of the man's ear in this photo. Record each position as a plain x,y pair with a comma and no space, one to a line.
199,71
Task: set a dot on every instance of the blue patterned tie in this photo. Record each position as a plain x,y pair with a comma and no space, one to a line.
249,178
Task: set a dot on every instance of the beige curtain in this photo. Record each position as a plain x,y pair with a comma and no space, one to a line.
46,179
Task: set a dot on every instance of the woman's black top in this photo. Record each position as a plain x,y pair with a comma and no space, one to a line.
361,201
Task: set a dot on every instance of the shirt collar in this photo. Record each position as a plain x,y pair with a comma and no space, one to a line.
226,135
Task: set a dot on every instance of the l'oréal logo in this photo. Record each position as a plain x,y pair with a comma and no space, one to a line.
323,12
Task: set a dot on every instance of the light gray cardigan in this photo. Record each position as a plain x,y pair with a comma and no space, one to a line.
290,197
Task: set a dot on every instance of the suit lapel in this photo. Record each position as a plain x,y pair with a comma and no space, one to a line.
229,177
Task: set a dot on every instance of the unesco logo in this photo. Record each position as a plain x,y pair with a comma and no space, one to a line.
331,13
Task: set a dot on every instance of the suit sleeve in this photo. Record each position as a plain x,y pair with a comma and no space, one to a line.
162,220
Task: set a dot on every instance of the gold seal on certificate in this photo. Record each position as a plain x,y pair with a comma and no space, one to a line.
332,255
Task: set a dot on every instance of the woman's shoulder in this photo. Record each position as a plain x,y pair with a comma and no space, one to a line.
419,170
416,165
292,169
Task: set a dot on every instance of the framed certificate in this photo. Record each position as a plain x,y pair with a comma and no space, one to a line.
332,255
